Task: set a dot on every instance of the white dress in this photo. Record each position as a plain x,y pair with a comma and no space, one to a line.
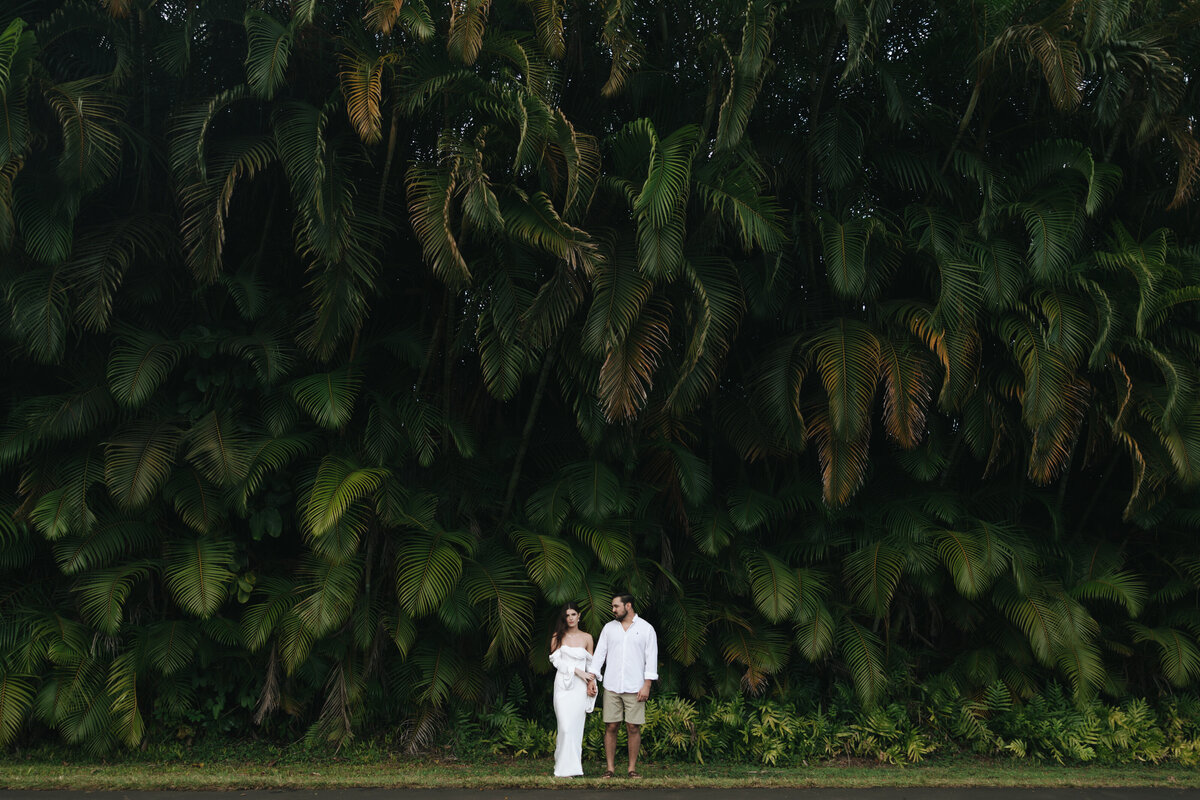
571,706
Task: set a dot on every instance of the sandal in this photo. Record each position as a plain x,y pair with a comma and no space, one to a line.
608,773
634,774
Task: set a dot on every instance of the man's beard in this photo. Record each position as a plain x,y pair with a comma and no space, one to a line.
620,616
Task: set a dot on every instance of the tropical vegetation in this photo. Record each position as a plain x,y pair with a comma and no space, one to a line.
344,341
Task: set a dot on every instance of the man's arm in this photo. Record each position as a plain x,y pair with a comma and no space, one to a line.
649,665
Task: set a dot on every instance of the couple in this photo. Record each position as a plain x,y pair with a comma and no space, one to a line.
625,661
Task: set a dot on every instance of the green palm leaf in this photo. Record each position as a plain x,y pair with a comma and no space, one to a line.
532,219
261,618
685,624
908,387
430,196
712,532
122,688
468,19
716,308
16,697
843,463
268,46
428,568
627,374
814,633
101,257
863,653
103,593
551,563
1178,653
775,586
761,650
327,594
971,559
748,70
102,544
17,46
595,490
1034,615
329,397
845,248
139,364
620,294
218,449
198,572
872,573
496,581
846,356
171,645
612,545
338,486
548,506
139,459
90,118
39,306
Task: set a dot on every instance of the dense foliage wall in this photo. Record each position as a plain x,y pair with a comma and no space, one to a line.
343,341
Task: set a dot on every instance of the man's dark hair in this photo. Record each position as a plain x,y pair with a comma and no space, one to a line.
626,599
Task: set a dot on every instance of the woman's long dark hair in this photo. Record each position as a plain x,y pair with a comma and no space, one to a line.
560,625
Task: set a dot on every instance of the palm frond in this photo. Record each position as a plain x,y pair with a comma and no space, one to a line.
846,356
90,118
268,47
429,565
329,397
17,45
468,20
748,71
102,593
595,490
339,485
16,697
548,506
774,584
430,195
611,544
198,572
551,563
872,573
218,448
496,581
627,374
327,595
138,460
362,87
863,653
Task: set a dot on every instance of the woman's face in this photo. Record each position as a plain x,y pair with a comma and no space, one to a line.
572,618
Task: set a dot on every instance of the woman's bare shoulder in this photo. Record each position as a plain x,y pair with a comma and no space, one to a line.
589,644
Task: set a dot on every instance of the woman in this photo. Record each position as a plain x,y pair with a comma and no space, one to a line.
574,689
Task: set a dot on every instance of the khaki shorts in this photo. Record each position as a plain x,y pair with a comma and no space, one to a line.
624,707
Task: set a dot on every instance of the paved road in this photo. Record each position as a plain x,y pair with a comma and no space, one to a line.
628,794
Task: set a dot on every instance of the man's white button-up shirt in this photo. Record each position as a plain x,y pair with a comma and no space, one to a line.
624,659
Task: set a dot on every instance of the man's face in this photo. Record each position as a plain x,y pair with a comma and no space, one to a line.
620,610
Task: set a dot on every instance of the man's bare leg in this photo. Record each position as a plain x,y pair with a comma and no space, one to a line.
634,732
610,744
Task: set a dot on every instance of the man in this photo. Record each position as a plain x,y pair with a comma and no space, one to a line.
625,661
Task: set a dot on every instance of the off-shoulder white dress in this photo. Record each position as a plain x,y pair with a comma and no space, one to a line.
571,706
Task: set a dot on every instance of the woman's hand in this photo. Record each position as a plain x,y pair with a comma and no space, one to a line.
591,686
